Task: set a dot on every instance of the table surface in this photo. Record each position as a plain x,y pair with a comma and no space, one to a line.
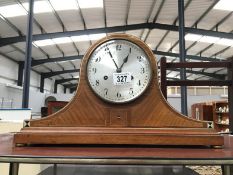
120,155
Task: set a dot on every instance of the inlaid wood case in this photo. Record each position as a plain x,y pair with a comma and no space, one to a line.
146,120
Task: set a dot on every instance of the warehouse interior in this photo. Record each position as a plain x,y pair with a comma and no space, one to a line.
62,31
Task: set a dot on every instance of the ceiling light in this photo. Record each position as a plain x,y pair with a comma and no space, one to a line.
192,37
225,42
97,36
63,61
2,18
88,37
150,45
34,44
62,40
12,11
80,38
90,4
61,5
224,5
44,7
39,7
209,39
45,42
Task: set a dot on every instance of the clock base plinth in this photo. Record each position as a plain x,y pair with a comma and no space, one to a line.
121,136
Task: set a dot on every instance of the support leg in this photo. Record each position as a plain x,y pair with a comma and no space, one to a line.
226,169
14,169
55,169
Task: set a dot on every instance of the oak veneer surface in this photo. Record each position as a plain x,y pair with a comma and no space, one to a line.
7,149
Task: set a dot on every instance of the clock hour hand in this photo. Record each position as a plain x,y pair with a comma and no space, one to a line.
124,61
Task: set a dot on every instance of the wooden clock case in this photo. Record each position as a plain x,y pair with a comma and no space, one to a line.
148,120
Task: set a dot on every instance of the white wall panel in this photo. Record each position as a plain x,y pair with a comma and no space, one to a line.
175,101
48,85
9,75
60,89
8,68
35,79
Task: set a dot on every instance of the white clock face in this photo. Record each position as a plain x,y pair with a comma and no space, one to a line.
118,71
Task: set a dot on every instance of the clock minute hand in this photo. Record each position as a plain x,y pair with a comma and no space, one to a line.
113,60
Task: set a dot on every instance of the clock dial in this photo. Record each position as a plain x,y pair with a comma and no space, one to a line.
118,71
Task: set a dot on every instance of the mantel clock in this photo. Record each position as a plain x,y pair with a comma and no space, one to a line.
118,101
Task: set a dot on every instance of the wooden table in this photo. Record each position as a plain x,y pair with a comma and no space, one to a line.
115,155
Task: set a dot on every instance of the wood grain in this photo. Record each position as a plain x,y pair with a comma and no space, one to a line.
150,110
7,149
139,136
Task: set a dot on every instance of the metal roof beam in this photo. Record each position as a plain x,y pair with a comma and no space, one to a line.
70,85
196,22
212,75
193,57
174,22
171,78
58,59
11,40
73,89
69,58
209,33
60,81
51,74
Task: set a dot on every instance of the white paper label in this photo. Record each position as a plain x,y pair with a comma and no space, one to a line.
121,78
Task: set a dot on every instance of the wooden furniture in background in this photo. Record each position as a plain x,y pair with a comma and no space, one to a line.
164,66
44,111
148,120
202,111
55,106
221,116
216,111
